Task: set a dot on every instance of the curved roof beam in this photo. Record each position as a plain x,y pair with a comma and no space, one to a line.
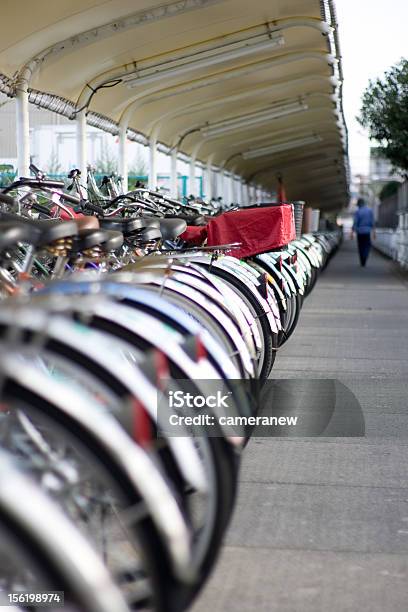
275,149
235,123
230,148
328,125
134,20
271,29
206,81
248,171
256,91
314,161
154,94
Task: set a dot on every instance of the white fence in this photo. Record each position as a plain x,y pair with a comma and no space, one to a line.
394,243
386,242
402,229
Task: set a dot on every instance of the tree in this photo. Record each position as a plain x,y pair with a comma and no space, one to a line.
138,167
384,113
107,162
53,166
389,189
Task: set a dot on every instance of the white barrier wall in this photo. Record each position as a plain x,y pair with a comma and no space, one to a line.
394,243
402,239
402,229
386,242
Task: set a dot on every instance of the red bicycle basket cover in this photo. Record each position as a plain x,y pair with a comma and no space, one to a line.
257,229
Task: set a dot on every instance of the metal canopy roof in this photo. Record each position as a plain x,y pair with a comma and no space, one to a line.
254,87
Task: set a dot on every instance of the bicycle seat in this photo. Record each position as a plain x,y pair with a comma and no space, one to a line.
150,222
126,226
172,228
52,230
113,241
89,239
190,219
148,234
12,233
45,231
199,220
129,225
87,222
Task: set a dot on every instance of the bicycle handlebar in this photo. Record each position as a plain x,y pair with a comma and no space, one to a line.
69,198
98,209
32,182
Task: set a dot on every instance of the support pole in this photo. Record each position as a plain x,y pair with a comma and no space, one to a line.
235,192
242,193
153,163
226,189
192,188
23,132
123,157
173,174
82,145
209,177
220,187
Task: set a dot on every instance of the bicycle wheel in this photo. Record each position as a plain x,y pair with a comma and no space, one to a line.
40,549
143,504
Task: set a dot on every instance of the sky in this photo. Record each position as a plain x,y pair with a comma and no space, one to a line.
373,36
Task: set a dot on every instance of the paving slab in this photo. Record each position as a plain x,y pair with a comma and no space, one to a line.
322,523
272,580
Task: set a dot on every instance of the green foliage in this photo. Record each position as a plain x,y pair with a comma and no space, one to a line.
107,162
384,113
389,189
53,166
138,166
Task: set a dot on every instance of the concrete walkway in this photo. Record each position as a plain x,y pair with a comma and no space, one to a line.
321,524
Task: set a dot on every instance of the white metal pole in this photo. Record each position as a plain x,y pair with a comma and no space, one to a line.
82,145
123,157
153,163
209,176
192,180
232,188
23,132
221,181
173,173
226,190
236,189
242,193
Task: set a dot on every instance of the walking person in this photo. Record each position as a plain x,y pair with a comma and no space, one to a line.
363,225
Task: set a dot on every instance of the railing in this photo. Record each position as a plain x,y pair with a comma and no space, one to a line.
7,177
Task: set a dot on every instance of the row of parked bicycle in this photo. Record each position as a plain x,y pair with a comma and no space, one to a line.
105,311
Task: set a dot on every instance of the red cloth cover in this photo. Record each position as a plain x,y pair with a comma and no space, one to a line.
195,234
64,216
257,229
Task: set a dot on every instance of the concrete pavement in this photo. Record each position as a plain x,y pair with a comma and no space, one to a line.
321,524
